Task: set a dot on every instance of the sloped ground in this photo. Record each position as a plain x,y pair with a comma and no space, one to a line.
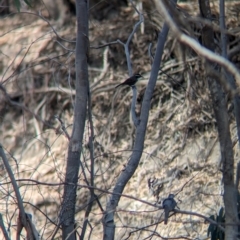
181,153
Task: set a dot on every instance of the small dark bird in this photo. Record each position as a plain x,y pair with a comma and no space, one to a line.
169,205
131,81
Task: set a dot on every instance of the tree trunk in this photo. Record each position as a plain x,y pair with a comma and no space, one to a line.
67,214
108,219
219,101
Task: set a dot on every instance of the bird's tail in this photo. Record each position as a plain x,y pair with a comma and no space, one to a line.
118,85
166,213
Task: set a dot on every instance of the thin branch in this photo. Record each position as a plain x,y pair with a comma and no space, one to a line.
105,45
125,176
201,216
237,176
35,182
4,231
206,22
126,45
150,53
23,107
133,104
63,127
15,187
229,77
223,27
45,20
91,150
104,70
202,51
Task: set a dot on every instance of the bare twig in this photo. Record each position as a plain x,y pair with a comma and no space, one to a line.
15,72
91,150
150,53
133,112
63,127
23,107
108,218
201,216
202,51
4,231
103,71
35,182
22,215
106,44
237,176
126,45
50,25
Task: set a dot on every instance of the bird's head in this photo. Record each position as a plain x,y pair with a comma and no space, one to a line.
137,75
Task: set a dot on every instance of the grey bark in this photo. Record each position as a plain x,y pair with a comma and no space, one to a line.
229,77
133,104
219,102
22,215
108,218
67,214
4,231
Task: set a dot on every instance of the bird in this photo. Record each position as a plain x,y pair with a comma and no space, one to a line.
130,81
168,205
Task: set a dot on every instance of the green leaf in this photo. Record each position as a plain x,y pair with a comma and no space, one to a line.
17,4
211,226
28,3
221,235
214,235
210,229
221,211
212,217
